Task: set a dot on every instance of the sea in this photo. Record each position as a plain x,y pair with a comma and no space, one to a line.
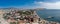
44,14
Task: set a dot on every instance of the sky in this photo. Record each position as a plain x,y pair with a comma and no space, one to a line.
49,4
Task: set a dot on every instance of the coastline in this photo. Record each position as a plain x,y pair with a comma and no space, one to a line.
42,20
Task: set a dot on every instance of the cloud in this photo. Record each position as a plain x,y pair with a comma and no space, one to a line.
48,5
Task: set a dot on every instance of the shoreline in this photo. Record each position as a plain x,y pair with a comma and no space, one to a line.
46,20
42,20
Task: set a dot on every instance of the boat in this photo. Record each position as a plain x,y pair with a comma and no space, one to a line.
50,17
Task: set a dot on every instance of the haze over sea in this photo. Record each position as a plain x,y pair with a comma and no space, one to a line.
44,14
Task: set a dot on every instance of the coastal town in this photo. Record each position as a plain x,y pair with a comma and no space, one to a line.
22,17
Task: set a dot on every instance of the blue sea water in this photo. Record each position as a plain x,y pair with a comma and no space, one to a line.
44,14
